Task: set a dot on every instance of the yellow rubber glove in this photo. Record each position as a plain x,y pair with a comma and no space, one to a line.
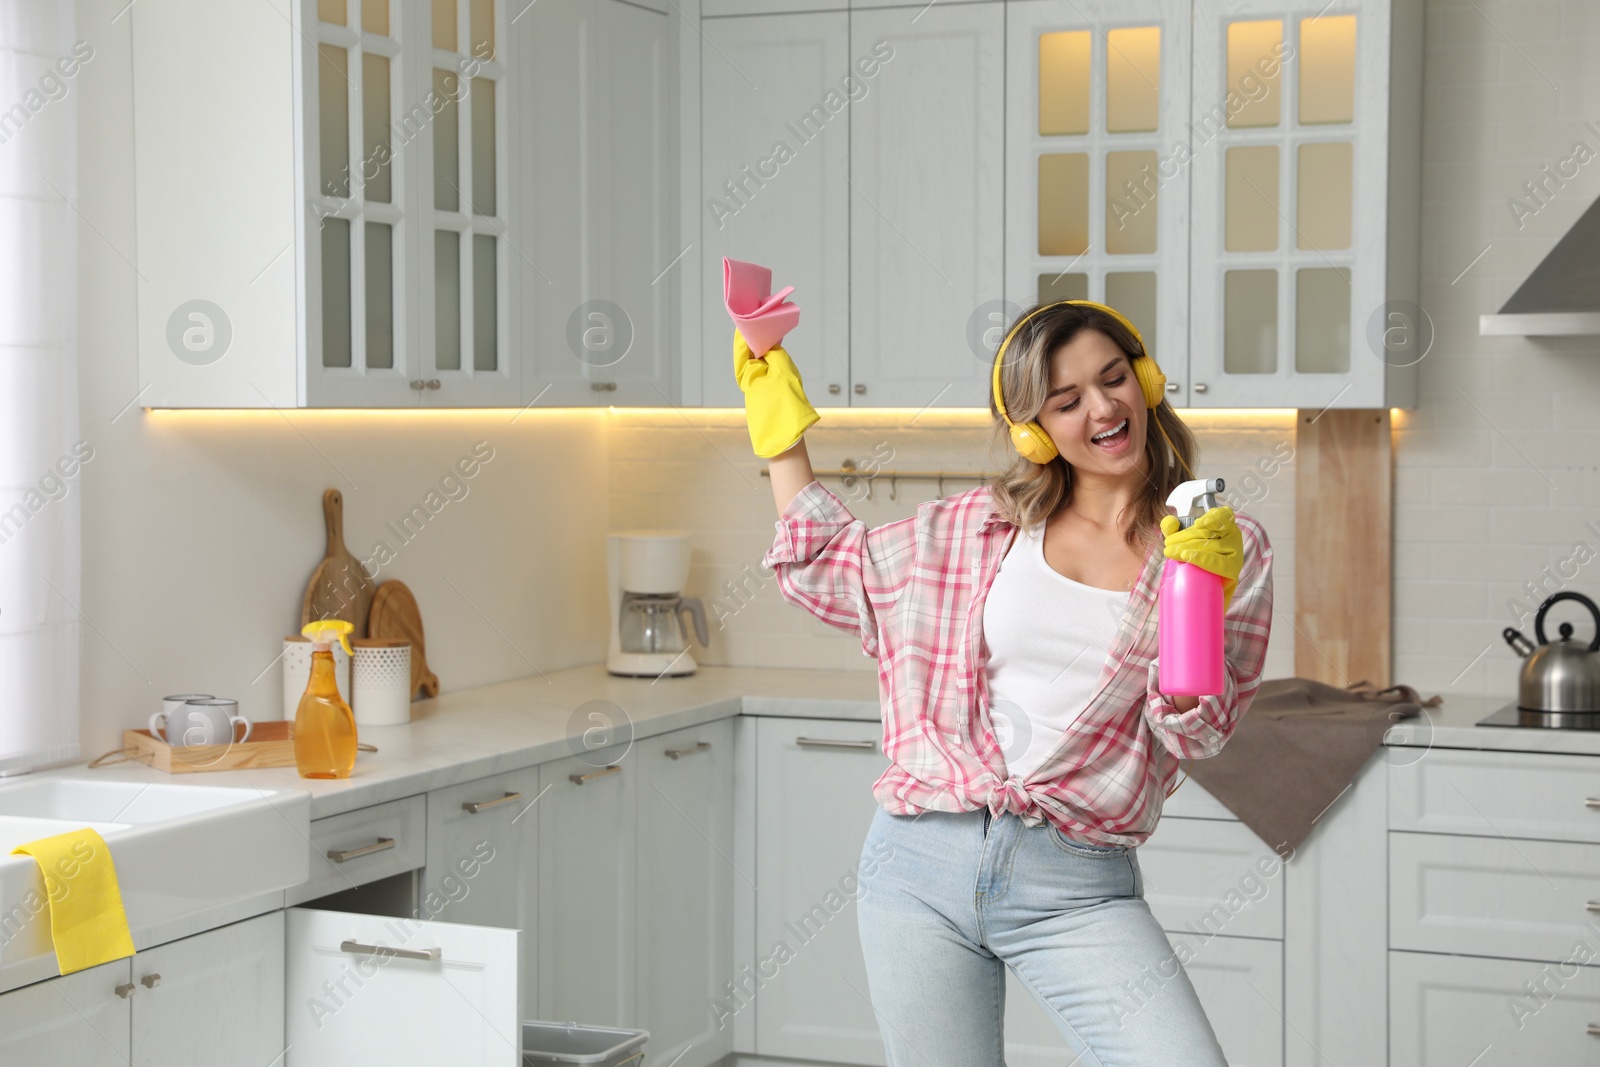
1213,544
775,404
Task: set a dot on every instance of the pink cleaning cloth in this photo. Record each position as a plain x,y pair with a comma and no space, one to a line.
763,317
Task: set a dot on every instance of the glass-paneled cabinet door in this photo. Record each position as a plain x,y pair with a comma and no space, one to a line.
466,249
359,312
1290,130
1097,181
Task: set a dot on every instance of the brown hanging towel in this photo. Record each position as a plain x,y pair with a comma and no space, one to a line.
1299,746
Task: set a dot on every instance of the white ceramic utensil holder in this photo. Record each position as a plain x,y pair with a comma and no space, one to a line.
297,672
380,682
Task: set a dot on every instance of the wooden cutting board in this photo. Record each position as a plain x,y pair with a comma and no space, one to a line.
340,587
395,615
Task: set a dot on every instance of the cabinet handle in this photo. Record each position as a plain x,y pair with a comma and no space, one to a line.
1172,387
1593,1029
678,753
150,981
125,990
383,844
475,806
1199,387
357,949
1591,802
416,383
833,387
433,383
579,779
1593,905
860,389
829,742
603,387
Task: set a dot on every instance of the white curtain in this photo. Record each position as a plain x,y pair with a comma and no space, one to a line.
41,452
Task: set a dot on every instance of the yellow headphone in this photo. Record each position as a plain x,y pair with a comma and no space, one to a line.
1031,442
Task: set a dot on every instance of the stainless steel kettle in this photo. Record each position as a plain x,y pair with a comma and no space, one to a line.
1561,675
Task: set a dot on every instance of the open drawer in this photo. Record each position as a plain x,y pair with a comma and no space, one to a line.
399,991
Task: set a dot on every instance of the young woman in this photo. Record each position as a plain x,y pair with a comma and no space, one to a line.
1030,743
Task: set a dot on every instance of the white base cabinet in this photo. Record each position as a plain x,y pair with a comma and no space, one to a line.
214,998
807,981
1494,854
1448,1011
587,833
685,890
483,860
81,1019
370,989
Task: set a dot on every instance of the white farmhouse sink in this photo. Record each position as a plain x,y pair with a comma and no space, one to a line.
179,850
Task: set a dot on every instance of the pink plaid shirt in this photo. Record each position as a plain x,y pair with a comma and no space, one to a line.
914,590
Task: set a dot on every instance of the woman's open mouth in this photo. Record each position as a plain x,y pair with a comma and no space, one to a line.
1114,439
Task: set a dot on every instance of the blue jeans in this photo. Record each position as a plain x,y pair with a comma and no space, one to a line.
948,901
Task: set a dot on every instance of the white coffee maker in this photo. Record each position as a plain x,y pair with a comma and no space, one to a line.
647,570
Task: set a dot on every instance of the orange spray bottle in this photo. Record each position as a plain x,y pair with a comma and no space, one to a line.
324,726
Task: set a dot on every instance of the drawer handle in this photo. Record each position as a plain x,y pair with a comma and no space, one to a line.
1593,1029
829,742
679,753
1593,905
1591,802
358,949
579,779
475,806
383,844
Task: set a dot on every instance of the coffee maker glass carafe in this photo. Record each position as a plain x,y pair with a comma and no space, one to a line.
650,625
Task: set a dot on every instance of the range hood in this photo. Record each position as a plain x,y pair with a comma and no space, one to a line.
1561,298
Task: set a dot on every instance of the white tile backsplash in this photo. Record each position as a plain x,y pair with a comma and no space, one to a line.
714,489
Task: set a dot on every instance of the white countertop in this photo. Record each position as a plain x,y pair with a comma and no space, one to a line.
464,735
1454,724
460,736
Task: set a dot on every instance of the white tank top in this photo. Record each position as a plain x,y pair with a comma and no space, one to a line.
1048,638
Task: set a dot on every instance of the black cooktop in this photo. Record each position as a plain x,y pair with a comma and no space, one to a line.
1511,715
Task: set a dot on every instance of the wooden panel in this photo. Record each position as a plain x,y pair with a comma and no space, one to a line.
1343,526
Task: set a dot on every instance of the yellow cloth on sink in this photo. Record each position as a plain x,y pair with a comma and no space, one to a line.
87,923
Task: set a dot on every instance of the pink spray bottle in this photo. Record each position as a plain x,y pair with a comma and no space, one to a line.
1189,626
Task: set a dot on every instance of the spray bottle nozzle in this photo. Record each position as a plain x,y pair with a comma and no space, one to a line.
1194,499
322,633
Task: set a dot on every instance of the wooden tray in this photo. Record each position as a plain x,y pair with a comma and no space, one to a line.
271,744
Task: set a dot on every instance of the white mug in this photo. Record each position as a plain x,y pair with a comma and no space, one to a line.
202,721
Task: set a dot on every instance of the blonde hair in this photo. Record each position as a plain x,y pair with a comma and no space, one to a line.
1028,493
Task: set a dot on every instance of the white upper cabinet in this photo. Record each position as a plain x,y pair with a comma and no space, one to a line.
218,203
927,166
1097,178
1305,140
1240,177
406,203
775,177
602,264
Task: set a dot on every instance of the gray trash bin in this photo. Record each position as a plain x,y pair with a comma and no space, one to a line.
547,1044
